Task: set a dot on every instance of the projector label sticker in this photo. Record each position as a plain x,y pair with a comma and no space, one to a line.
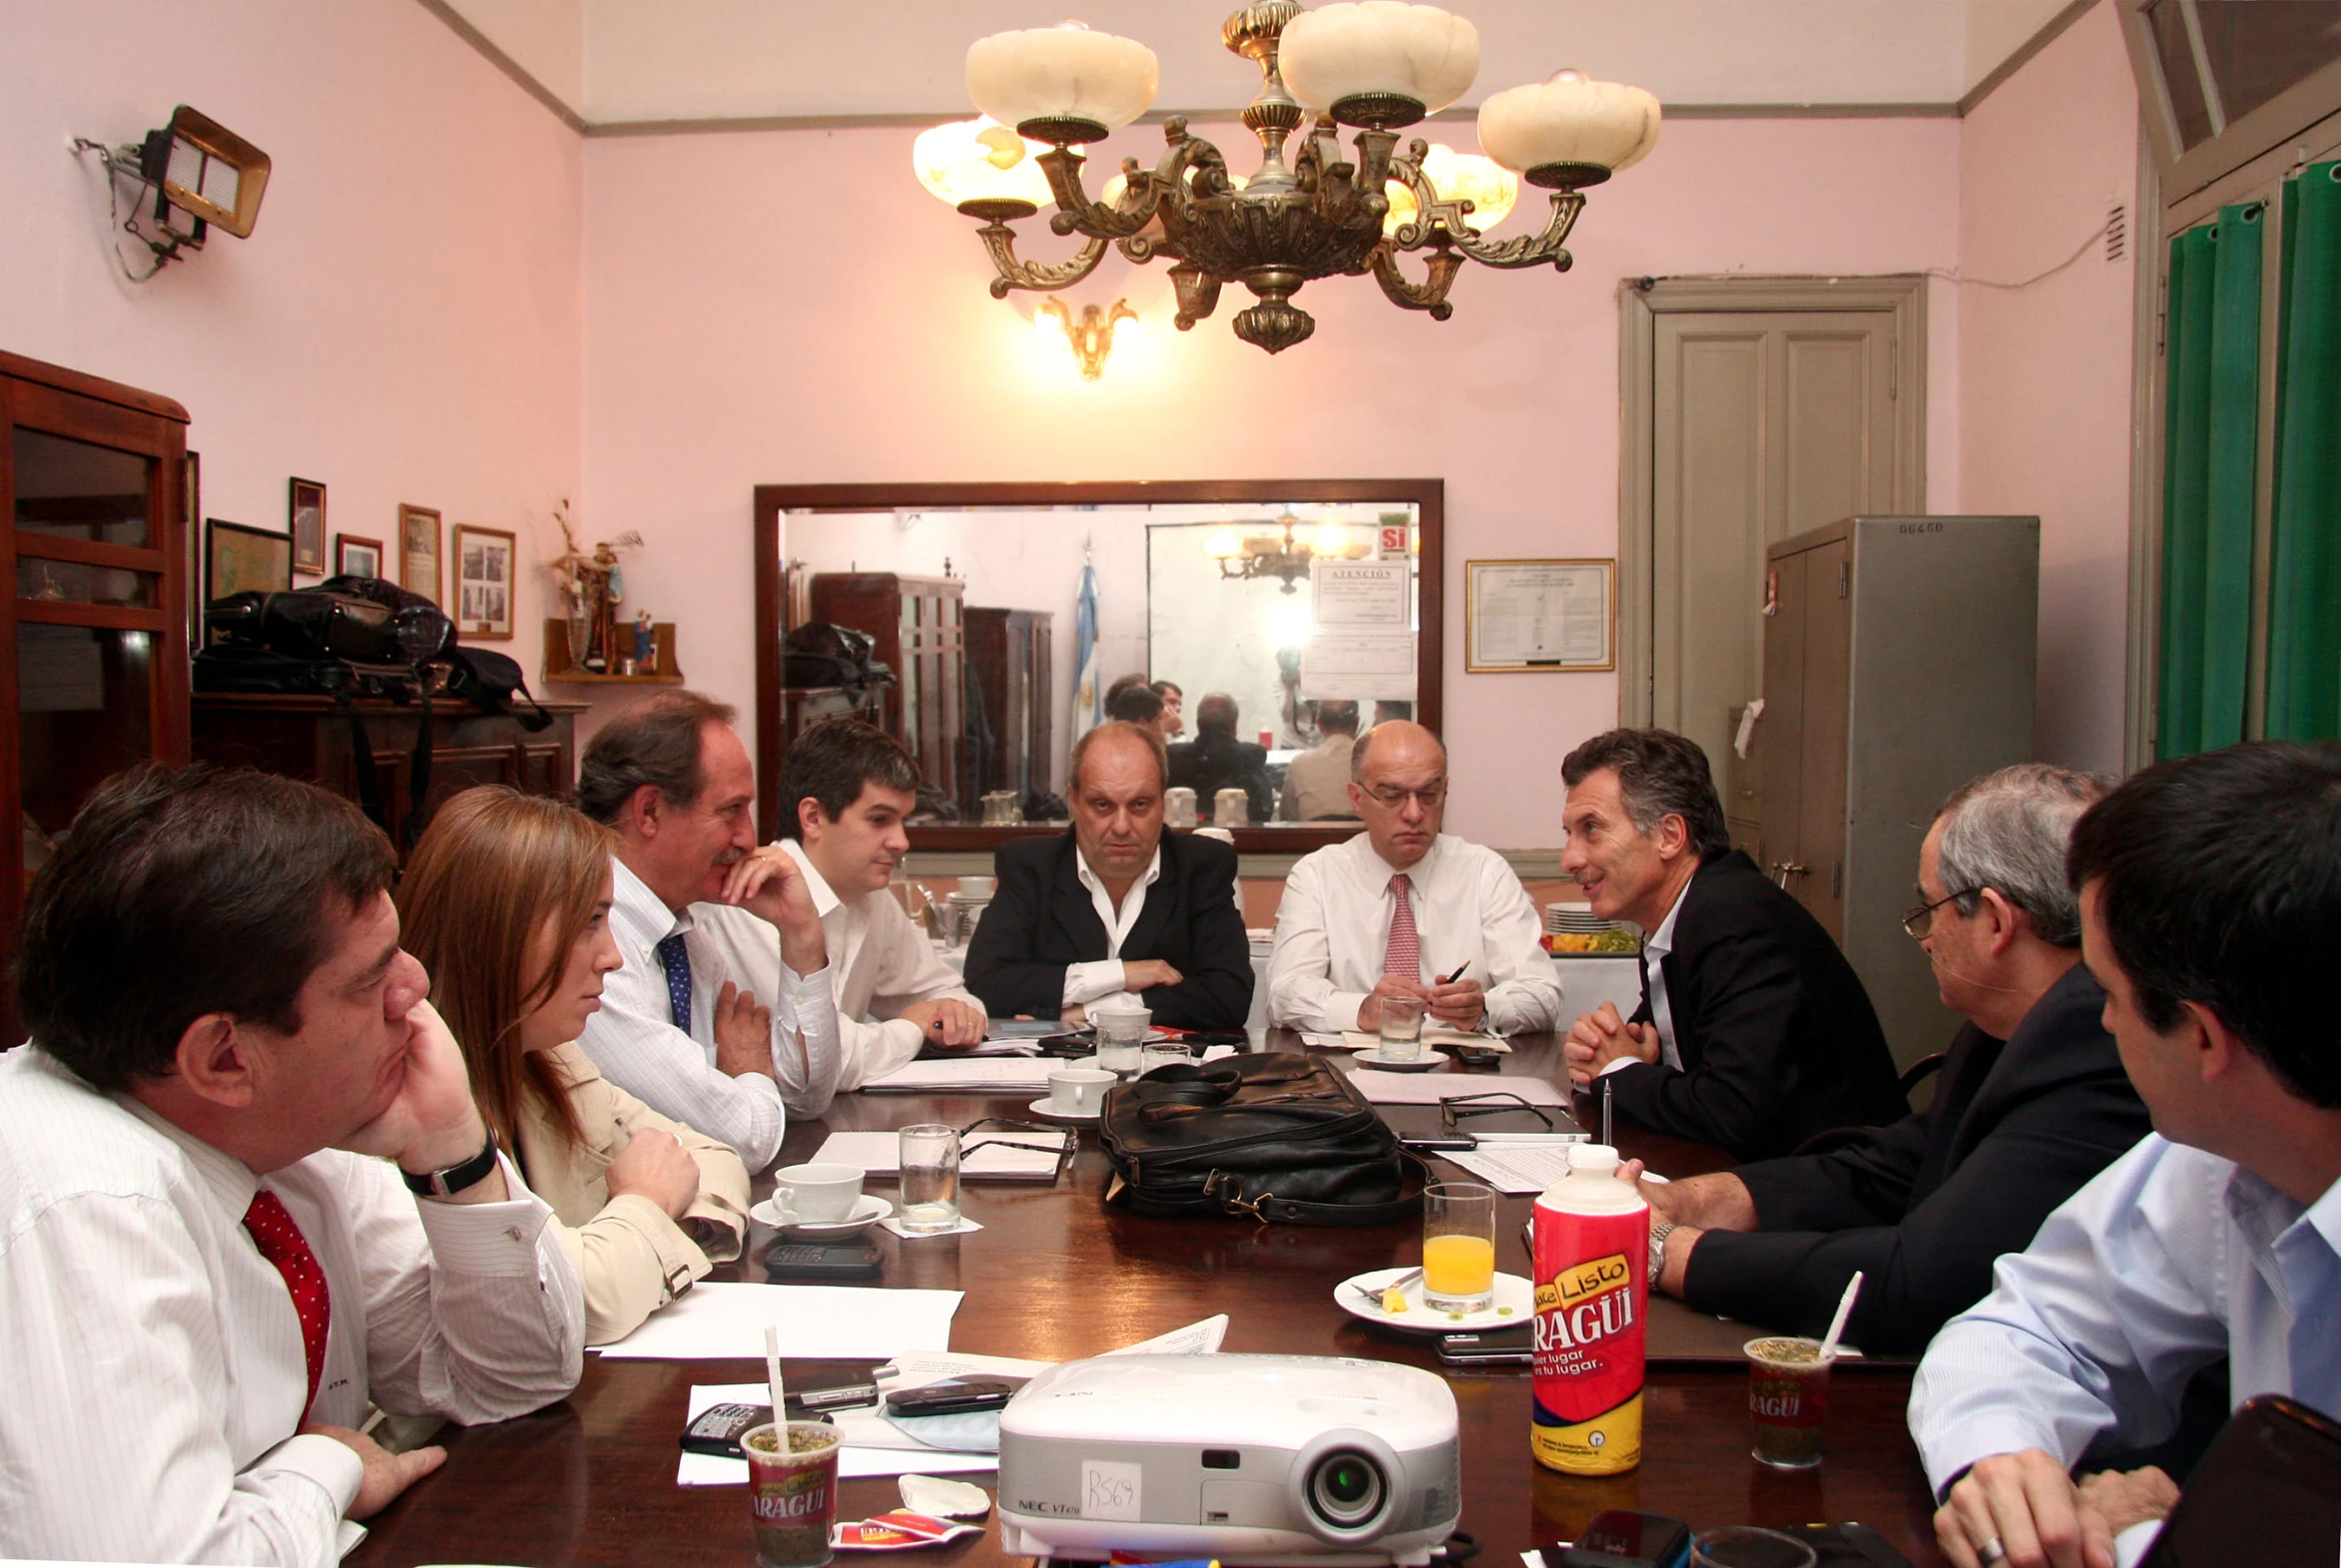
1110,1490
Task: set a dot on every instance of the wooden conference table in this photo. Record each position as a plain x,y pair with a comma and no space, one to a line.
1055,1275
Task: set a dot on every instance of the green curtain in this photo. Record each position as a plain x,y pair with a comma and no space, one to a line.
2304,590
2212,349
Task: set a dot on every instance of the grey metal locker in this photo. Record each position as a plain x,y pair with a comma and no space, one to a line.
1898,663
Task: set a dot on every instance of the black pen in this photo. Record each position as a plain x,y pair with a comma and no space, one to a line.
1458,973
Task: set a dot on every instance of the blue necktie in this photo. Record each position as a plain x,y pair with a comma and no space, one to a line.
677,963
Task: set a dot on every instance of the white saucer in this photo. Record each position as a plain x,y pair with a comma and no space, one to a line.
866,1213
1391,1064
1041,1107
1512,1291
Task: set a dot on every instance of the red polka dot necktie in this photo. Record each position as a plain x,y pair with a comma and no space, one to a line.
1403,955
281,1243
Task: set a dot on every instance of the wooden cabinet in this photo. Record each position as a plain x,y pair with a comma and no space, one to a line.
1008,662
93,641
917,625
310,737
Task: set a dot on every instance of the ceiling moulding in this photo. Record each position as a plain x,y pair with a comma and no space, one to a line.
503,62
2049,32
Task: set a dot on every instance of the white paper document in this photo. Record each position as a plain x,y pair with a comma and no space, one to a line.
880,1154
1385,1088
718,1321
969,1074
1515,1167
1432,1034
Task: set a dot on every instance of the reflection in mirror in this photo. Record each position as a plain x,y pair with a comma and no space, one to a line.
1274,611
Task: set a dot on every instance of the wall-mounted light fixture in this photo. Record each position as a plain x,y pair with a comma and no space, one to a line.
1092,334
195,167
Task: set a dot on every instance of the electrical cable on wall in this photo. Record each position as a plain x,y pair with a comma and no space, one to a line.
2112,230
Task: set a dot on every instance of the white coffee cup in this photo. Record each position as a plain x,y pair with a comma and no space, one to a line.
817,1194
1078,1091
975,887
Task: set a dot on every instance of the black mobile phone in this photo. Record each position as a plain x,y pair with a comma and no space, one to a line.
1476,1055
1625,1538
719,1428
843,1389
842,1261
1455,1143
1513,1347
955,1397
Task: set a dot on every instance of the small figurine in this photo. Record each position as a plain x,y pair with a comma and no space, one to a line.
646,652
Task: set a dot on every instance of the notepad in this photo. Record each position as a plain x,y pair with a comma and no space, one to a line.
1432,1034
984,1159
967,1075
718,1321
1430,1087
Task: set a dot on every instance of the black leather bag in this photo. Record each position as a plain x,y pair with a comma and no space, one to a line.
489,681
1278,1136
823,654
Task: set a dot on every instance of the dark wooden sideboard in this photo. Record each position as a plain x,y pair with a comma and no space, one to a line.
309,738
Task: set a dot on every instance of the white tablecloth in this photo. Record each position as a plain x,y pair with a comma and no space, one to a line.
1585,983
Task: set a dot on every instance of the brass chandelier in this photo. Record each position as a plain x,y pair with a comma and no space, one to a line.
1374,66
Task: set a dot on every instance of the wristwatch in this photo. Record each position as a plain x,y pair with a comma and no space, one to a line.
1658,1234
455,1178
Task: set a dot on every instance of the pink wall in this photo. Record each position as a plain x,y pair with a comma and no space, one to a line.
789,307
2045,422
403,322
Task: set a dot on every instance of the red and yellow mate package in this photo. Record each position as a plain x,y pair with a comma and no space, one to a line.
1592,1290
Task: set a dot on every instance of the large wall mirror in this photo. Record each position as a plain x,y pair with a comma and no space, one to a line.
1290,598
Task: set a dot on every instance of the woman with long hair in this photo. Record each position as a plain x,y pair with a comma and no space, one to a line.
506,900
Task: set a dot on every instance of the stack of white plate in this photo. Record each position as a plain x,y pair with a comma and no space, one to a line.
1578,919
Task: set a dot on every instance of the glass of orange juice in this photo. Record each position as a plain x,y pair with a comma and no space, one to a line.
1459,1246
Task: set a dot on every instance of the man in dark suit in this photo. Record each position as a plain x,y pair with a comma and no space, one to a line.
1215,760
2033,1103
1115,910
1754,1032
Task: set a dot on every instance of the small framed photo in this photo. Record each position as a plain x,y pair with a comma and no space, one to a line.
356,557
484,582
307,508
418,552
240,558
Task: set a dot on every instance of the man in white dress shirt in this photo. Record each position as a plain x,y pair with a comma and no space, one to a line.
208,1262
1402,909
676,1030
844,790
2210,897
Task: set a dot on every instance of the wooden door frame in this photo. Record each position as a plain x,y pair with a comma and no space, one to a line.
1641,302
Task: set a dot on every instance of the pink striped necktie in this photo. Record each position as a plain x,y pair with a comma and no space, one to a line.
1403,955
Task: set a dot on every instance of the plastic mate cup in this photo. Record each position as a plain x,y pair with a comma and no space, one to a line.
791,1492
1459,1246
1788,1398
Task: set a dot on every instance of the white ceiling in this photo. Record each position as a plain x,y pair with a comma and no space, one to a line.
623,62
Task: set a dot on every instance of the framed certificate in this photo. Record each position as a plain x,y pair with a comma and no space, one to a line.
1521,616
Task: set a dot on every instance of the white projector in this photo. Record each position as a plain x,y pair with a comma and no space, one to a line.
1263,1459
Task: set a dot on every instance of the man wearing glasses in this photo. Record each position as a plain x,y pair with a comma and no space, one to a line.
1754,1032
2032,1102
1402,909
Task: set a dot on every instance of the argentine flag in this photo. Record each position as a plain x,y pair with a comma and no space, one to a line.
1089,690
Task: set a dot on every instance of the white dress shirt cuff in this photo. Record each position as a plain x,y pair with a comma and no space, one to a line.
1342,1009
1616,1063
329,1461
1091,982
2132,1545
494,1240
1978,1437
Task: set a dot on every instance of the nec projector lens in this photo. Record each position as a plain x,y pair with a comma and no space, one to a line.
1345,1488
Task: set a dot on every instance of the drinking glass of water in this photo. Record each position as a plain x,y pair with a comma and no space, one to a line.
929,1158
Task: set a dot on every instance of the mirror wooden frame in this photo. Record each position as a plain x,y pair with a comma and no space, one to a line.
773,500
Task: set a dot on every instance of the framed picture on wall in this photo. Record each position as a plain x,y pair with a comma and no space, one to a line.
418,551
1525,616
240,558
483,582
307,508
190,524
356,557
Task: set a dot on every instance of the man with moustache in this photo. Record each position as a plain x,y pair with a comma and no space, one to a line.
245,1192
675,1030
846,789
1404,909
1754,1032
1116,912
2031,1104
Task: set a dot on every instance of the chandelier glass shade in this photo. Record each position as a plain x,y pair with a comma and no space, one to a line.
1373,67
1284,555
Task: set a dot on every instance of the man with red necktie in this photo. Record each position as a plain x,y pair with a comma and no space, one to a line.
245,1194
1406,909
